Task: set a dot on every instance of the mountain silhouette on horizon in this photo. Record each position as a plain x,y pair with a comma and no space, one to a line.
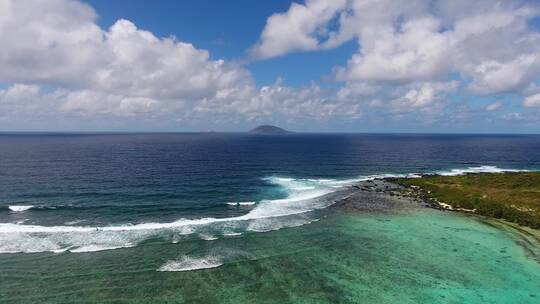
269,129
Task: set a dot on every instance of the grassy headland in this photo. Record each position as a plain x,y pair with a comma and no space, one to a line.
514,197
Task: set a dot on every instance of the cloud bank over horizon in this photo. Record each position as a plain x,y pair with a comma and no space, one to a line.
422,63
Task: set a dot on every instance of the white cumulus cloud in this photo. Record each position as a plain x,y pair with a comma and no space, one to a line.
300,28
494,106
488,45
58,43
532,101
57,59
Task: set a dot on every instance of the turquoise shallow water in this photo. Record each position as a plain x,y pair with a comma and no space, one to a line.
423,256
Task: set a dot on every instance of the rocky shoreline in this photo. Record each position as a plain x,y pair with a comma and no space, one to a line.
386,193
381,195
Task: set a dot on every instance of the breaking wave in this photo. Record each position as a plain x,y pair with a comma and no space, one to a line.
20,208
241,203
266,215
216,258
187,264
304,196
481,169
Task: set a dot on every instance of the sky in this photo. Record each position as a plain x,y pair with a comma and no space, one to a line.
423,66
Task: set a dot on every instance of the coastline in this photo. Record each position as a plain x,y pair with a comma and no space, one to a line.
378,195
375,234
509,196
387,195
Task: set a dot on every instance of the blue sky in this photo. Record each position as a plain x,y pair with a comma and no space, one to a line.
319,65
228,30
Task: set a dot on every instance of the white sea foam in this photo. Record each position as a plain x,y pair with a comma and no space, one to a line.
241,203
216,257
232,233
188,264
480,169
71,223
61,249
304,195
207,237
20,208
93,248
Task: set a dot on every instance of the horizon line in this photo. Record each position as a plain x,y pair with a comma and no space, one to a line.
109,132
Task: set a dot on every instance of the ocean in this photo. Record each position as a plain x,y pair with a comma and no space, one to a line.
244,218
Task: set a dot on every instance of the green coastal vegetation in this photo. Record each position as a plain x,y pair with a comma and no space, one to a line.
514,197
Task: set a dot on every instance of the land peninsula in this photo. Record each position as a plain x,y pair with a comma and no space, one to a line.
509,197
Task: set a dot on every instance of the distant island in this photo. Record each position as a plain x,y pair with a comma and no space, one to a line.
268,129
